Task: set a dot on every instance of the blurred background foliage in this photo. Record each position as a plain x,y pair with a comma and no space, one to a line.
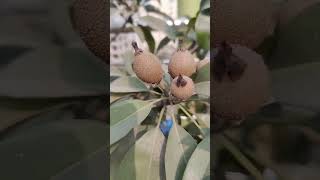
281,141
52,95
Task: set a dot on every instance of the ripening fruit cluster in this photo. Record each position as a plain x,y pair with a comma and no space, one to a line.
181,66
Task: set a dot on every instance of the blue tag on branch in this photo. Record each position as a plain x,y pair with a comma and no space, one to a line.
165,126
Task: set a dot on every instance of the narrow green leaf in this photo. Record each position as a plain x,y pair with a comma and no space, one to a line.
203,89
14,111
298,85
128,59
204,4
202,24
138,30
144,160
54,72
29,34
93,167
127,84
153,9
126,115
61,23
115,71
240,157
163,43
123,147
157,24
62,143
298,41
180,145
199,162
203,74
149,38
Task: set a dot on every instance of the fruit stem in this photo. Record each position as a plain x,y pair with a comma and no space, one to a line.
192,119
180,45
241,158
161,116
155,92
136,48
224,64
181,82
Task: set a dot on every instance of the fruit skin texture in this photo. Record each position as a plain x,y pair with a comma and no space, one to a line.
147,67
246,23
184,90
91,20
182,62
233,100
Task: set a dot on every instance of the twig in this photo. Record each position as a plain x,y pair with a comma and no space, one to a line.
192,119
240,157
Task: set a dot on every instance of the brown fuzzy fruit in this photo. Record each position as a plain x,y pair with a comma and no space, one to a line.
246,23
202,63
182,87
146,66
240,82
182,62
91,20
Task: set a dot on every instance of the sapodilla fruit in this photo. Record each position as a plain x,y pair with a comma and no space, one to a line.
146,66
246,22
182,62
91,20
240,82
182,87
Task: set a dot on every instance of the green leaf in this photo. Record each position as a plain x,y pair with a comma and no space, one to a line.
61,23
115,71
202,24
167,78
203,74
126,115
138,30
116,96
144,160
158,24
149,38
204,4
298,85
128,59
202,28
180,145
203,89
153,9
123,146
127,84
62,143
199,163
9,53
93,167
32,33
298,41
14,111
163,43
54,72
